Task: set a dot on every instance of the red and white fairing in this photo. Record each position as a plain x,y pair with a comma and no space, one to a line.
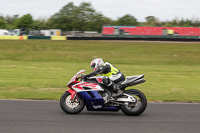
90,87
73,79
83,86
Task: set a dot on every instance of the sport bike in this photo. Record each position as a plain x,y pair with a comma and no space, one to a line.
93,94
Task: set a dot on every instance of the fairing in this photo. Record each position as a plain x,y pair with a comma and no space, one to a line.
89,92
73,79
85,86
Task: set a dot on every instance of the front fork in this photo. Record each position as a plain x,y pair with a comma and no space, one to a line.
73,94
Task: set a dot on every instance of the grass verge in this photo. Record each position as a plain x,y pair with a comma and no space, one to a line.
40,69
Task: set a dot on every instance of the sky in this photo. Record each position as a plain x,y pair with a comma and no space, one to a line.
164,10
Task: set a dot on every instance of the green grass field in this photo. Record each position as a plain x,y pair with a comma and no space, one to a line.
40,69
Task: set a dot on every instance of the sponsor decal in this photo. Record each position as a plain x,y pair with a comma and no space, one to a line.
97,106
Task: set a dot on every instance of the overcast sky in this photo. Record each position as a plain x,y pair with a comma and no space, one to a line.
162,9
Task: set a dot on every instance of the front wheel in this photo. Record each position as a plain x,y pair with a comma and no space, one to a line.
136,108
70,106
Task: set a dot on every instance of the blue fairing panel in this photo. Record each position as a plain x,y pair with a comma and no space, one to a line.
94,101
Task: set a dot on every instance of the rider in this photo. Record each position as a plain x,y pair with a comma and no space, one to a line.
111,74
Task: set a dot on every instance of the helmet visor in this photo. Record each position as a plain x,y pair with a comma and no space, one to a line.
93,66
94,69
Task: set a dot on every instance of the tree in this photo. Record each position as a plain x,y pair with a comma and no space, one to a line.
150,18
168,24
25,21
152,21
11,21
64,18
127,20
182,22
82,17
188,23
196,22
2,23
96,22
174,23
39,24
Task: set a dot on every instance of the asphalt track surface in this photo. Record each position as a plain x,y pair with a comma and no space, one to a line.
21,116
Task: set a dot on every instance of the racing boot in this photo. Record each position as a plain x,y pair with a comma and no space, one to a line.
117,91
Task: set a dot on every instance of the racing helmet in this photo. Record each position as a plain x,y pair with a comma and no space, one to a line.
96,63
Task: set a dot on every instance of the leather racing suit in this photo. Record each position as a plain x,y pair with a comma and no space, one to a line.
112,76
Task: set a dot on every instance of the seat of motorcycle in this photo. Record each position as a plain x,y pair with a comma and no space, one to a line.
120,83
130,79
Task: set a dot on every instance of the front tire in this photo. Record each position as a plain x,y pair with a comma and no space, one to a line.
140,106
69,106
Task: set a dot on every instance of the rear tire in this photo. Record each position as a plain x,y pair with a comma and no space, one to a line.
70,107
141,103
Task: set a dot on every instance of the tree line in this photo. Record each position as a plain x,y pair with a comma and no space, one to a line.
85,18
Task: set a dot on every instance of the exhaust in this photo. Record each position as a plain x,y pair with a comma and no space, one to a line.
139,81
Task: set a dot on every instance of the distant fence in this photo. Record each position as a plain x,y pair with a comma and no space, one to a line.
13,37
138,37
150,32
33,37
135,38
126,33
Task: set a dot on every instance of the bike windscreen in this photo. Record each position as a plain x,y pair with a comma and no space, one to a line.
75,76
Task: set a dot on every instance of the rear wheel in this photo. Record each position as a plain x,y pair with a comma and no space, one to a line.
71,106
137,108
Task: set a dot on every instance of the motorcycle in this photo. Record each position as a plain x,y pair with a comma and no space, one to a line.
93,94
